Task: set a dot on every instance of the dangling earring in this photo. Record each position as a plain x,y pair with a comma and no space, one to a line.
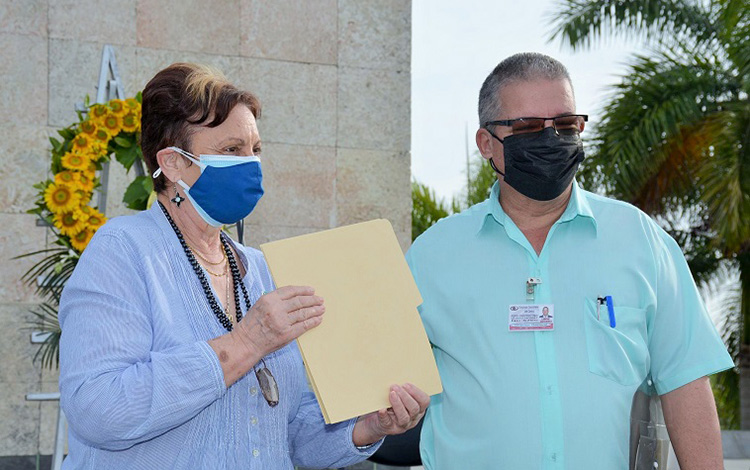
177,199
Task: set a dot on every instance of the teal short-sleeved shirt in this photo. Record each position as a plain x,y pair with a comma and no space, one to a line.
555,399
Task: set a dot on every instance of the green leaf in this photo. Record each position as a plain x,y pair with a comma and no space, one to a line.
56,144
122,142
126,156
67,133
136,196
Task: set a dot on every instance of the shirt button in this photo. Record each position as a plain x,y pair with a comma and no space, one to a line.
554,457
253,390
256,452
254,420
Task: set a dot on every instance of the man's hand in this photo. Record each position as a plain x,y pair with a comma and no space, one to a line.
408,405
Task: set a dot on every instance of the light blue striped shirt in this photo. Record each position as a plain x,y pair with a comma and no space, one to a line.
140,385
555,399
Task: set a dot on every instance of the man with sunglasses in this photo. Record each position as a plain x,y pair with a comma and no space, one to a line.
519,393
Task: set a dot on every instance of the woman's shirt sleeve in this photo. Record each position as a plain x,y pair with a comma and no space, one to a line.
312,442
115,391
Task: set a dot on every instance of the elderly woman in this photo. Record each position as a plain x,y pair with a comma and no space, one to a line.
177,351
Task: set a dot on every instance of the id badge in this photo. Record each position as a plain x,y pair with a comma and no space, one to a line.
531,317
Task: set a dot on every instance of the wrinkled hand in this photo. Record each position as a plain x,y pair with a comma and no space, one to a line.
408,405
279,317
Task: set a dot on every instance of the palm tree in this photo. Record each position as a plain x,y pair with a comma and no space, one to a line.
427,209
675,140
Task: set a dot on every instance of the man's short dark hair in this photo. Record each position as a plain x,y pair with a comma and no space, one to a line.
525,66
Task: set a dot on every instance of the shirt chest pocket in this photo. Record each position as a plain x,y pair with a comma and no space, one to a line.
620,353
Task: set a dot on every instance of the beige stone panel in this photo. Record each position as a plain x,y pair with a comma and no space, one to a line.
110,22
24,17
374,109
299,100
290,30
375,34
150,61
298,183
16,324
404,237
372,184
19,419
23,78
257,234
19,235
190,25
74,73
25,163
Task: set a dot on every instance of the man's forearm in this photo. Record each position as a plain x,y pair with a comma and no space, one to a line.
693,425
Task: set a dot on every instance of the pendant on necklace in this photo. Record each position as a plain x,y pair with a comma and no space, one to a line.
229,315
268,385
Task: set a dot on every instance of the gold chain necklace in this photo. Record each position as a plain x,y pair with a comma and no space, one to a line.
196,253
226,263
226,293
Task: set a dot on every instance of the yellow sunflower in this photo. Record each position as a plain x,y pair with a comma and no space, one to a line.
102,136
88,127
131,122
132,104
97,112
69,224
98,150
85,181
75,161
83,212
83,196
81,239
67,177
113,123
118,107
61,198
82,143
95,219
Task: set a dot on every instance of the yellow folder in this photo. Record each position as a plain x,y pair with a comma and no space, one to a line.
371,336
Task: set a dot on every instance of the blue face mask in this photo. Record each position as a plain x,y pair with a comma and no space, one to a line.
228,188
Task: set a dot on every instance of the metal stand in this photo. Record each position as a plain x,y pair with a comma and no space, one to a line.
109,87
57,453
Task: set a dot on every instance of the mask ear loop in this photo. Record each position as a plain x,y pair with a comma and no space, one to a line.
492,163
185,154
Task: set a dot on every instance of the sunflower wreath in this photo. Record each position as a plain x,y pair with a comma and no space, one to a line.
64,200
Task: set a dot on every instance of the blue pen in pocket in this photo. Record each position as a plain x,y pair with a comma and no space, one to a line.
611,310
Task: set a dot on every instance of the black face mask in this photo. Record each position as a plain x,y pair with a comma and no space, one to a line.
541,165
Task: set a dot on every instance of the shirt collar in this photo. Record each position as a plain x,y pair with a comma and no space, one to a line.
578,206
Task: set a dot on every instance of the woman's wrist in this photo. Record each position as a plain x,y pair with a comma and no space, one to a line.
236,356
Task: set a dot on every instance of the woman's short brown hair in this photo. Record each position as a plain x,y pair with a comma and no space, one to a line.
180,97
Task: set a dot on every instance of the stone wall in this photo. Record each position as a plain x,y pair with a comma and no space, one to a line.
334,80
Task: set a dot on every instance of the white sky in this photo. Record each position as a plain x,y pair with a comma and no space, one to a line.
455,45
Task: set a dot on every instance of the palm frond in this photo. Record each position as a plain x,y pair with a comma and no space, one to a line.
426,209
725,184
660,102
581,23
726,384
46,321
733,21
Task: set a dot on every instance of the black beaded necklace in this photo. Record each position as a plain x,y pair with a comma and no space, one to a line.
267,382
236,278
